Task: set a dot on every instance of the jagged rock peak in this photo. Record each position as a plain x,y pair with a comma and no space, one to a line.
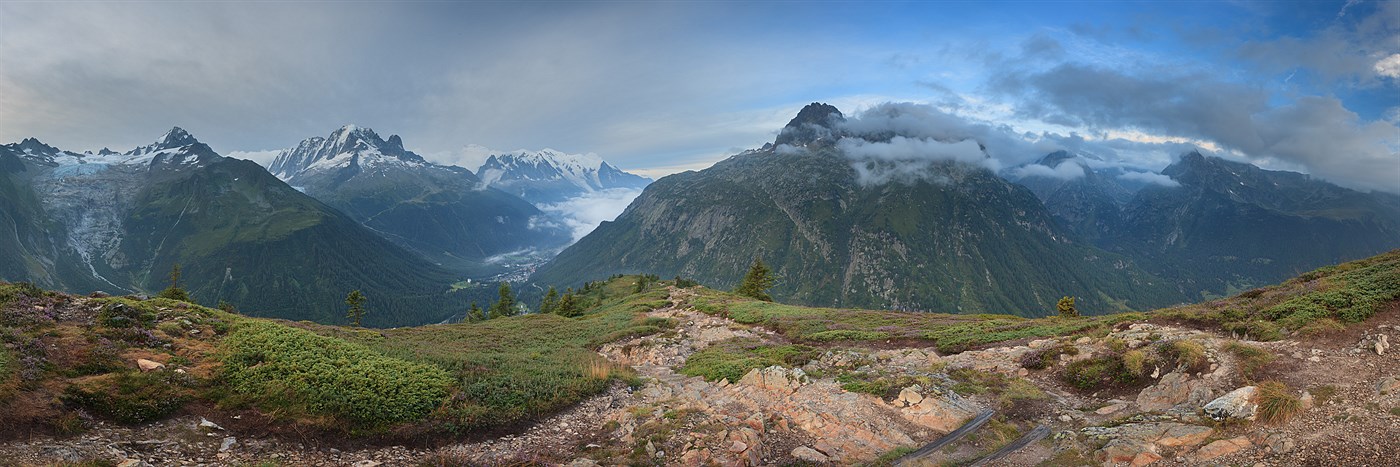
175,138
33,145
815,122
1055,158
817,113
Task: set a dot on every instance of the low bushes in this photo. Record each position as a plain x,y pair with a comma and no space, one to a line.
132,397
283,369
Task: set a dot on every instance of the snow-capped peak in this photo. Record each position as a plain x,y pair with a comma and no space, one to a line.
175,138
549,173
350,145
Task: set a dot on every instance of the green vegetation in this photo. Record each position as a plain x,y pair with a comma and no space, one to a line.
731,359
356,301
1277,403
550,302
1315,303
398,382
756,282
131,396
297,372
1185,354
950,333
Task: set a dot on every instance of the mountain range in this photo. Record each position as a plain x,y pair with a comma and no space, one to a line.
442,212
550,176
958,239
950,235
119,222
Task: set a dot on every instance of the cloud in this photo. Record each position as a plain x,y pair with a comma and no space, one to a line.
1149,177
263,158
1313,132
584,213
924,122
1389,67
1067,170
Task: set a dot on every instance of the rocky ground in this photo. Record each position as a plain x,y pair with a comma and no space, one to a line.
1347,382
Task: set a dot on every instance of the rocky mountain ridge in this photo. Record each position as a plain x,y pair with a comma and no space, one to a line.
549,176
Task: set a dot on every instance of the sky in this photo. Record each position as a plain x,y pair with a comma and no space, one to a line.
661,87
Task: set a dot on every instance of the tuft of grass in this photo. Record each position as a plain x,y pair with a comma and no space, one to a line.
1251,358
1185,354
1277,403
1323,393
1135,362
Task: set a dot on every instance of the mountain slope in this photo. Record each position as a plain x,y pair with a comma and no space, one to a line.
550,176
960,239
1231,224
441,212
240,234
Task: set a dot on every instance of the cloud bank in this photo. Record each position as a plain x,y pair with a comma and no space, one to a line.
584,213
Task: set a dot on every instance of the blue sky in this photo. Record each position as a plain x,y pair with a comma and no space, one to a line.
661,87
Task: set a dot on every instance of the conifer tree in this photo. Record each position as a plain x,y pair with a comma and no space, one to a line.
757,282
505,306
550,301
475,314
174,292
356,300
568,306
1066,307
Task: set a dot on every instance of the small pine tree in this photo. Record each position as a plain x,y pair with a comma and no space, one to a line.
475,314
227,307
568,306
505,306
174,292
356,313
1066,307
757,282
550,301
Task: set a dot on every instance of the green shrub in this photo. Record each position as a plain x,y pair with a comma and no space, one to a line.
1091,373
1320,327
284,368
848,335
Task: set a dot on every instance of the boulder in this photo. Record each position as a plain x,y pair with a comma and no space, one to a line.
1219,448
910,396
943,414
804,453
149,365
1242,403
776,378
1111,408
